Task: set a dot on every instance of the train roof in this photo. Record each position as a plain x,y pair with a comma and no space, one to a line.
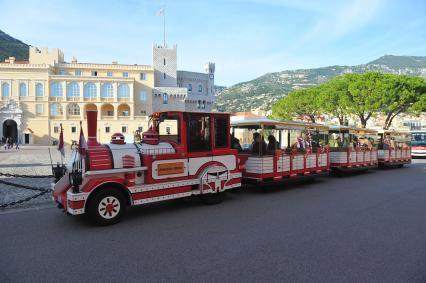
279,124
354,129
394,132
191,112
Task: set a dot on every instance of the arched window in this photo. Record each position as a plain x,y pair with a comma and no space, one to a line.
123,91
74,109
5,90
39,90
89,90
107,90
56,89
165,98
56,109
189,87
203,106
23,89
73,90
200,88
198,104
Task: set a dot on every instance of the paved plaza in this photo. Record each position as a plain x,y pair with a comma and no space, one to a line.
29,160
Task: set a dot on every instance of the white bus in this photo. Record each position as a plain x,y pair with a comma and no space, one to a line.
418,143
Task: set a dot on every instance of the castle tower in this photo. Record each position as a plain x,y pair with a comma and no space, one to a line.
209,69
165,66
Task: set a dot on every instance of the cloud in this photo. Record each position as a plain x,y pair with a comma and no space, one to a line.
340,22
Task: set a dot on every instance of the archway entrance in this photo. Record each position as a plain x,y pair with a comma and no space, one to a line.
10,130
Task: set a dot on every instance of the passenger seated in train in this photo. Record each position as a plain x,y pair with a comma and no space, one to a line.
356,143
272,143
235,143
258,146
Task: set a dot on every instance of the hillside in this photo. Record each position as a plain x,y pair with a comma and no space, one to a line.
264,91
11,47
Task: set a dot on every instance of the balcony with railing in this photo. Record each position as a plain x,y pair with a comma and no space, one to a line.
56,98
107,99
125,117
90,99
74,98
25,98
124,99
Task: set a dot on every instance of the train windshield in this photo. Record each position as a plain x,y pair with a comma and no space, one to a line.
168,127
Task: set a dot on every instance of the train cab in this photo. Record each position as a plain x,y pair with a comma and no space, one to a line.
394,148
352,148
271,150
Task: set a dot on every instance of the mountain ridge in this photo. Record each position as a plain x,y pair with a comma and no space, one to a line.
263,91
12,47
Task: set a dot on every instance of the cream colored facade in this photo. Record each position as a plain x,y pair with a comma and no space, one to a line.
39,95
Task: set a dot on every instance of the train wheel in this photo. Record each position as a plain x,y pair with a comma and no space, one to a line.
107,207
213,198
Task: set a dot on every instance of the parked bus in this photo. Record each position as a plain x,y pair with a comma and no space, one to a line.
418,143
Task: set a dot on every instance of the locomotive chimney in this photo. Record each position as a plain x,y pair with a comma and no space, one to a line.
92,121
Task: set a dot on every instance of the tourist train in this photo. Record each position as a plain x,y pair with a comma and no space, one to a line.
184,154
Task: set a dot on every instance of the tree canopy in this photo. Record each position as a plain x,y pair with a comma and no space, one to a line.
356,95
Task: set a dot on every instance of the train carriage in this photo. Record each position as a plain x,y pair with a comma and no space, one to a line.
271,150
394,148
352,148
182,154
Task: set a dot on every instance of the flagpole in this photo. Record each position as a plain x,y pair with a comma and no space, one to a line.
164,27
79,140
62,157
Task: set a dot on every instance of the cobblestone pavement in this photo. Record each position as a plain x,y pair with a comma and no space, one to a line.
29,160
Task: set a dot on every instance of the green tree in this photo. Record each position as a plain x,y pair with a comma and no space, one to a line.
334,98
365,95
402,94
302,103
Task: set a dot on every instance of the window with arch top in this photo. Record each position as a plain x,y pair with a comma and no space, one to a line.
165,98
73,90
5,90
123,91
56,109
23,89
89,90
200,88
107,90
74,110
56,89
189,87
39,90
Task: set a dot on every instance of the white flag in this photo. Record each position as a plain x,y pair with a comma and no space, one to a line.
161,12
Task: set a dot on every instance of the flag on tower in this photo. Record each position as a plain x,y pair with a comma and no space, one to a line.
161,12
82,145
61,142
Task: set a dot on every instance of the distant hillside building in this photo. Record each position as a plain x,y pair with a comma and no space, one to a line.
38,95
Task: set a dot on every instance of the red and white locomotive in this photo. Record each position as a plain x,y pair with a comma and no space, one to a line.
182,154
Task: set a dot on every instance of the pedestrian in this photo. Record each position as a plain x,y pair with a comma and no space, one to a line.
6,144
17,144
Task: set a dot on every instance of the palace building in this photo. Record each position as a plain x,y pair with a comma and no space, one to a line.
38,95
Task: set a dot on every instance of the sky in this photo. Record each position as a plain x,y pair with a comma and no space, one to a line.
245,38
